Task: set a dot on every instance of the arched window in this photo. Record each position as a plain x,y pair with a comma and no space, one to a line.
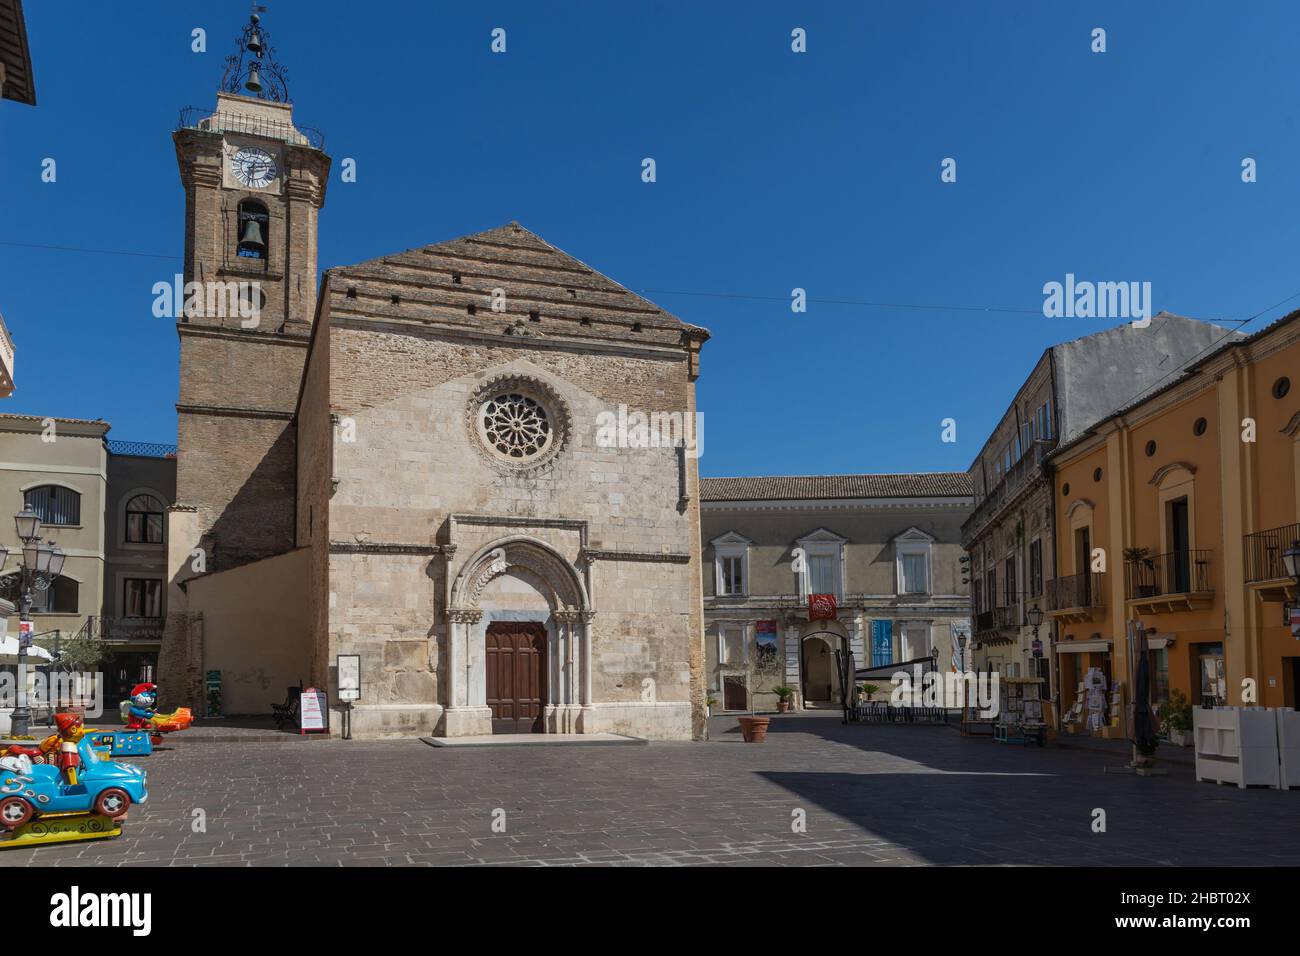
144,520
254,230
55,504
61,597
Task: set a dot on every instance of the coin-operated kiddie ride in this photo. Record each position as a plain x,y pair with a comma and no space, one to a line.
64,789
144,725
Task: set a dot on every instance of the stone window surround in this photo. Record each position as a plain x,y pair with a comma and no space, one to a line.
122,502
730,545
913,541
822,543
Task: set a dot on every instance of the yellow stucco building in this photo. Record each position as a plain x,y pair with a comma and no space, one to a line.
1175,512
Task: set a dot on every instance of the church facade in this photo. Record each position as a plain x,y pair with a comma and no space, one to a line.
414,463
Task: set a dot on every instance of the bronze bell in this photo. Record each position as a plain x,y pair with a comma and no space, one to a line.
252,236
254,84
254,44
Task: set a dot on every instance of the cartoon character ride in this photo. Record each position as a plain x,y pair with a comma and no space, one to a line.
38,804
104,787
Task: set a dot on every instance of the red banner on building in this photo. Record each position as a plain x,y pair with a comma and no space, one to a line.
821,607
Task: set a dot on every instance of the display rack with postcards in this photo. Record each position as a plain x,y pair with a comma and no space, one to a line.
1020,711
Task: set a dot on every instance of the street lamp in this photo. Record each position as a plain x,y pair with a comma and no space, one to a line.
42,563
1291,561
1035,615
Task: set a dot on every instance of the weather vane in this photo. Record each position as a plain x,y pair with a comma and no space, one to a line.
254,70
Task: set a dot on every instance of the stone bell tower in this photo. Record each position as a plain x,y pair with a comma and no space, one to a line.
254,185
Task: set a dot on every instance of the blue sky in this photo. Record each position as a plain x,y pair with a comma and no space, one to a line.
775,170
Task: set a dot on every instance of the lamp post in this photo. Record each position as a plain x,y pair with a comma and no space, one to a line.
42,563
1035,617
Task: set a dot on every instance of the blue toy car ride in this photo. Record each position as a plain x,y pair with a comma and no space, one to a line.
103,787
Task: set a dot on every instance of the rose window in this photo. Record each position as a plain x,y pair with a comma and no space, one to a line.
516,426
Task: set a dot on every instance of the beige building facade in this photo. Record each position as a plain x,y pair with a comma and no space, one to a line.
59,468
887,547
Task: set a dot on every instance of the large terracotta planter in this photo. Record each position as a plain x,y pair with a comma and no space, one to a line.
754,729
783,705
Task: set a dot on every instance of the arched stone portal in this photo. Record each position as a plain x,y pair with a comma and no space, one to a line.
518,580
819,676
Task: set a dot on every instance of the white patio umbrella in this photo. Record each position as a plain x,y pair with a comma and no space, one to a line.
9,652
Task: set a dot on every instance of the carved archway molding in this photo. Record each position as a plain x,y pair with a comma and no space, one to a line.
564,588
1164,471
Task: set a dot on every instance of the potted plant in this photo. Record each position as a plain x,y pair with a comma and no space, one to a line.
786,695
708,706
868,691
761,669
1143,568
1176,719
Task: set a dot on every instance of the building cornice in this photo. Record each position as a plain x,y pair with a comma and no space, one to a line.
839,504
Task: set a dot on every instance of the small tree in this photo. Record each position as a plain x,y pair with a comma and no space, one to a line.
762,670
81,653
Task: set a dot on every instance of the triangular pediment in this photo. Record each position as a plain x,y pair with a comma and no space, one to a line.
822,535
731,539
914,535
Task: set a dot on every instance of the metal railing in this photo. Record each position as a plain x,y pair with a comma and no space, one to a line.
1011,615
1176,572
222,121
1077,590
1264,552
140,449
1026,469
121,629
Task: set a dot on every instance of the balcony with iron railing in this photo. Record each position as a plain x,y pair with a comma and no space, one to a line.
1175,581
1020,474
1264,569
1076,597
124,630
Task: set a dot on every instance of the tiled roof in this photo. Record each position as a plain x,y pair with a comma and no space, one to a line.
546,291
934,484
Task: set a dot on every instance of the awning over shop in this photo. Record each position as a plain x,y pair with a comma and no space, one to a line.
1083,647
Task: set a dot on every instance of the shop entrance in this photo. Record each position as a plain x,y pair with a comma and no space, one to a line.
516,676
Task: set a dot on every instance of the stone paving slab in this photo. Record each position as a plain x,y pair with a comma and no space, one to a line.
533,740
816,793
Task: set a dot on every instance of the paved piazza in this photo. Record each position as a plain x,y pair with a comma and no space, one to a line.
873,795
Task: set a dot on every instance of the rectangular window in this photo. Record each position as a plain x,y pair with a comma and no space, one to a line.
914,577
975,597
61,597
142,597
1036,567
732,580
991,588
1013,597
56,505
821,574
733,645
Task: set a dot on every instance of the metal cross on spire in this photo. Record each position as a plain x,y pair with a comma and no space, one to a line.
253,71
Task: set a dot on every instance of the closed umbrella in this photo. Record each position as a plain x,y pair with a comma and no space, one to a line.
1144,725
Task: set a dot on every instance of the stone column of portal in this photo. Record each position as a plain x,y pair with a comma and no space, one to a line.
565,700
587,721
461,718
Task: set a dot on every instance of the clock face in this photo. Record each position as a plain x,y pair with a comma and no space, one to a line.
253,167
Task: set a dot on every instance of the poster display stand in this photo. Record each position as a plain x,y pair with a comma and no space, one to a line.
313,712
